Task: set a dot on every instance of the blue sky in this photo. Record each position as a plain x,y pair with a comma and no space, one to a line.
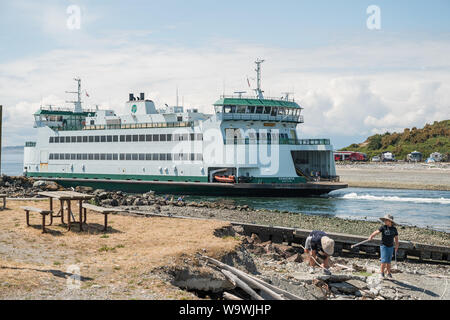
352,81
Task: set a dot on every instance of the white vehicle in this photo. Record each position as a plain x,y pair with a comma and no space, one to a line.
436,156
376,159
387,156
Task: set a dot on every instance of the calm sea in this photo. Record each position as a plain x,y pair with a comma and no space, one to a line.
423,208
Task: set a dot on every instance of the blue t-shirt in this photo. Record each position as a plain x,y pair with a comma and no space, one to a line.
316,237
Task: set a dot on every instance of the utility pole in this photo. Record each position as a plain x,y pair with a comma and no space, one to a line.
1,124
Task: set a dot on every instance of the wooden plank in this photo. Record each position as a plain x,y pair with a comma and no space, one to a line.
99,209
42,211
241,284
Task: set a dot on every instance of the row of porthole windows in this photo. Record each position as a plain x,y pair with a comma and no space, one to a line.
129,138
128,156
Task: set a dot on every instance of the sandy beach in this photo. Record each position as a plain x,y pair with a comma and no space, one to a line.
396,175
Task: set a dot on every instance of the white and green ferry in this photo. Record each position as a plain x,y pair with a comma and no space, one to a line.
249,146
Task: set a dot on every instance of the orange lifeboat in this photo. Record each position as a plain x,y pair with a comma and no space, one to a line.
225,179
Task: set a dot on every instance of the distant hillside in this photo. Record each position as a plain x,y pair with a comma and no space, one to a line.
432,138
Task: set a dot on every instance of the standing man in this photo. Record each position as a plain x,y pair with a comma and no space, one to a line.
389,233
319,244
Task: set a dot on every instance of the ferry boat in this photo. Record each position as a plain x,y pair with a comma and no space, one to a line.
249,146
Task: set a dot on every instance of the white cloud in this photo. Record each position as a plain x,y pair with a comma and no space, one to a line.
346,91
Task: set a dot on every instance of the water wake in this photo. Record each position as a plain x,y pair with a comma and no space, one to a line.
355,196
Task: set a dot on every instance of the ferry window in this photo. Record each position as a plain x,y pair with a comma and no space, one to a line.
128,138
148,137
281,111
155,156
73,156
134,156
259,109
85,139
141,156
274,111
115,157
109,138
102,139
148,156
67,139
241,109
50,156
51,140
122,156
162,137
192,136
184,137
91,138
185,156
200,136
103,156
199,157
179,118
251,109
192,155
162,156
218,109
169,156
92,122
79,139
73,139
115,138
267,110
122,138
85,156
142,137
135,138
56,156
176,156
156,137
61,156
96,156
128,156
228,109
109,156
176,137
56,140
79,156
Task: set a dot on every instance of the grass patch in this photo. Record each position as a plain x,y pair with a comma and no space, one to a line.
105,236
56,263
364,274
106,249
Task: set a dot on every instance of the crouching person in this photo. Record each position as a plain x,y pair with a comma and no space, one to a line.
388,235
318,244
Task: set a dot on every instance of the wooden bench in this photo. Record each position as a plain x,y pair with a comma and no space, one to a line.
3,196
104,211
43,213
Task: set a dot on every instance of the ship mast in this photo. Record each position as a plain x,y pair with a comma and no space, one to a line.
77,103
259,92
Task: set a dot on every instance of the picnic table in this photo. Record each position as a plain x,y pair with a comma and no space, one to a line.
67,196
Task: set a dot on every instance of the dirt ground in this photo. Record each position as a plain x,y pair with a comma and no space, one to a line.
119,264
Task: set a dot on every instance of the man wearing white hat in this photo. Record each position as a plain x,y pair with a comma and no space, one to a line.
318,243
389,233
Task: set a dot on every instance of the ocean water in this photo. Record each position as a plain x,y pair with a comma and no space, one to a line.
422,208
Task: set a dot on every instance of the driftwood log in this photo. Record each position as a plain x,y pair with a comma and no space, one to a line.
241,284
272,291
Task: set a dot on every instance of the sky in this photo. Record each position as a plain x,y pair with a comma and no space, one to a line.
355,72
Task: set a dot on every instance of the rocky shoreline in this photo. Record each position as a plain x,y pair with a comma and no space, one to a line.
223,209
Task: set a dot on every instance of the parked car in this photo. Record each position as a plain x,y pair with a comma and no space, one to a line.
414,156
376,159
387,156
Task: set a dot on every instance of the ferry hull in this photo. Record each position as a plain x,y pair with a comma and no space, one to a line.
207,189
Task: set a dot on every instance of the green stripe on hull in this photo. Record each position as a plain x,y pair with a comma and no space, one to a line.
117,176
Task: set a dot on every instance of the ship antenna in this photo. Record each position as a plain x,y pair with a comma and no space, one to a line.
259,92
239,93
77,103
286,95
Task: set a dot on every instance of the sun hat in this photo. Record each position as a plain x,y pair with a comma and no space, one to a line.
388,217
327,245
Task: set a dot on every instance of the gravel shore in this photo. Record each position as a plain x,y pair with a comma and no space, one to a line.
397,175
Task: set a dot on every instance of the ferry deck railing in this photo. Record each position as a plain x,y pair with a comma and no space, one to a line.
311,142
